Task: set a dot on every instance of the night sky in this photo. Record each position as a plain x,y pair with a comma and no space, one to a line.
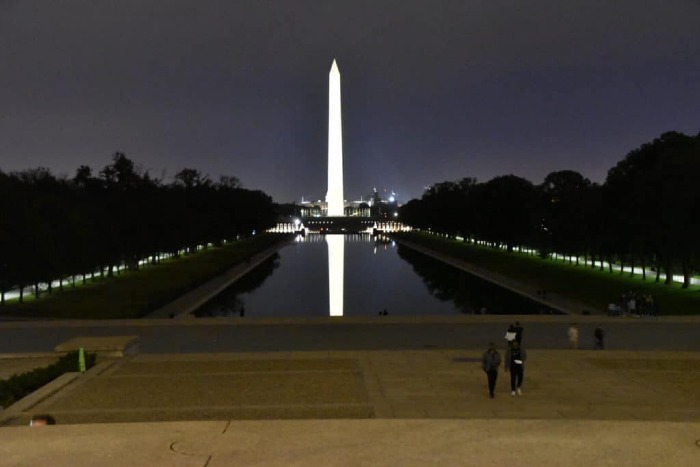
432,90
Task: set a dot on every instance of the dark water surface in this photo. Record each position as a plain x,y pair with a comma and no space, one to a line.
376,275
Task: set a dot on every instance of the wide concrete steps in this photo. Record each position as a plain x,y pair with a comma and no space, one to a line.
428,384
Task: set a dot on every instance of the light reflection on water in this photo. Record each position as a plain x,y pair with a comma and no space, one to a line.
356,275
336,269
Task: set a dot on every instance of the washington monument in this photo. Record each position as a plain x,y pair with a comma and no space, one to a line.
334,197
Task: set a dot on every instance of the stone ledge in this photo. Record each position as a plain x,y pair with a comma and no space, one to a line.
209,413
110,346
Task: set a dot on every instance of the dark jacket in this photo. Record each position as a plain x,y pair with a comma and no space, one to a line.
518,333
515,354
490,361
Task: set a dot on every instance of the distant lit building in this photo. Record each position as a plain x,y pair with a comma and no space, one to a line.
374,207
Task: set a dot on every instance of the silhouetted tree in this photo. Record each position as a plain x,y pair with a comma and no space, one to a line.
506,208
566,207
55,228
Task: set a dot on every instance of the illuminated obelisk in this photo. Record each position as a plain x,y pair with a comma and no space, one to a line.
334,197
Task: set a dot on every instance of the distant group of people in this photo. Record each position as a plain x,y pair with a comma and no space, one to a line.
634,304
515,356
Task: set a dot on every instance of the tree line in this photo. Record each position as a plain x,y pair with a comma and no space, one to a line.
646,213
58,227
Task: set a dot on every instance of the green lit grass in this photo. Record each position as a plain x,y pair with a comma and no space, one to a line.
132,294
581,283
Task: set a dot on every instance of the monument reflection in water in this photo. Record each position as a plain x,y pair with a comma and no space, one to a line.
336,271
308,278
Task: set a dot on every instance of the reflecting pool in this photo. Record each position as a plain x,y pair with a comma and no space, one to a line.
360,275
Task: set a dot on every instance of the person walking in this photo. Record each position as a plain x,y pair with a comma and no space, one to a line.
599,335
572,334
519,333
515,363
510,335
490,362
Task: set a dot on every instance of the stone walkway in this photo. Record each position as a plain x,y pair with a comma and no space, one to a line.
368,408
428,384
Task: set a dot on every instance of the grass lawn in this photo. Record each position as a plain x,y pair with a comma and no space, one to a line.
132,294
582,283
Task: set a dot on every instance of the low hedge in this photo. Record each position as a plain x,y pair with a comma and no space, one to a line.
22,384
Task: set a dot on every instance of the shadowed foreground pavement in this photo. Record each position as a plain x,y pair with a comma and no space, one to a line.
357,442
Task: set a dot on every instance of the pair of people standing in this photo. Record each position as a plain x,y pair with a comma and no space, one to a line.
572,335
515,357
514,333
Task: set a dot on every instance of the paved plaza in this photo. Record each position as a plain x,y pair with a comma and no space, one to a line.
423,384
282,401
